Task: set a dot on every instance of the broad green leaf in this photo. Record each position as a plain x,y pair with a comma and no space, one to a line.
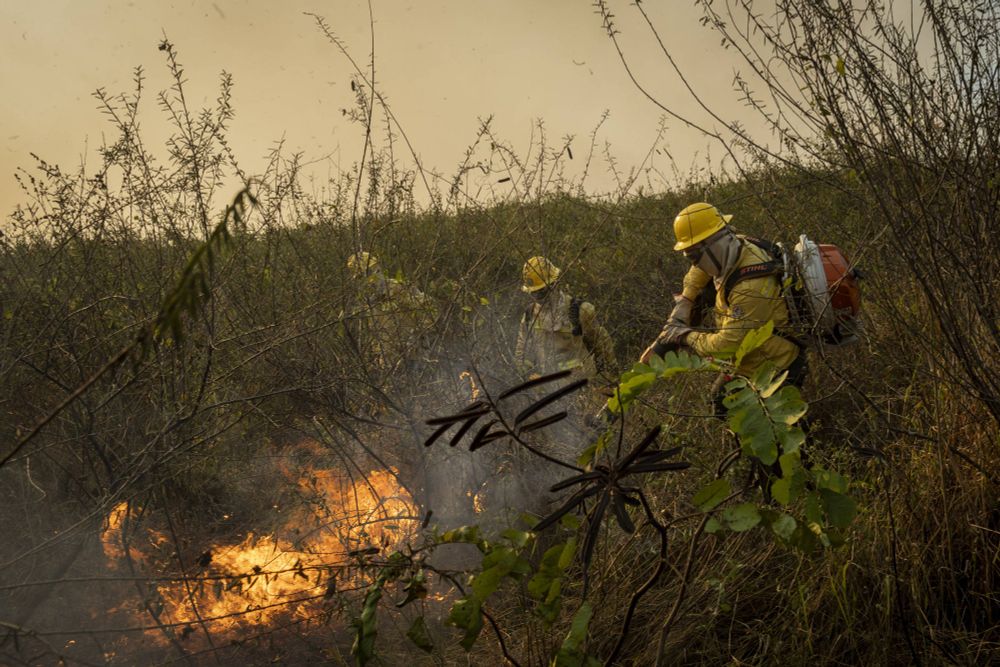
813,509
784,527
781,490
744,398
464,534
791,437
766,392
566,557
828,479
467,614
764,375
364,640
804,539
637,384
518,538
656,364
712,494
840,509
487,581
756,434
793,479
790,463
419,635
713,526
571,653
841,68
736,384
741,517
786,406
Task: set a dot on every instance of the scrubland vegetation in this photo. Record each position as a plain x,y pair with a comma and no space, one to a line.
203,359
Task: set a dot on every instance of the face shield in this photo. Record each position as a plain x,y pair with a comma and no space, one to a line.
716,254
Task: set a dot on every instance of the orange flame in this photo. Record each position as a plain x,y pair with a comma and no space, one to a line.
265,577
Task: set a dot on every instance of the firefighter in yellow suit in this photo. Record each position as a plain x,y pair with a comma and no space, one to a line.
558,332
397,319
747,297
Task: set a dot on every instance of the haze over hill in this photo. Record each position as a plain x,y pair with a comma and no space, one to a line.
441,65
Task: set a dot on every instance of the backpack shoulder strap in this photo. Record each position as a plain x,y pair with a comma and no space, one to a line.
772,267
530,312
574,315
770,247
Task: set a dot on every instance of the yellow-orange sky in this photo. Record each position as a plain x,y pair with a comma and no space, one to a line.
442,65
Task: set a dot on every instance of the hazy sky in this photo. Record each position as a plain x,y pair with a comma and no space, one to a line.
442,65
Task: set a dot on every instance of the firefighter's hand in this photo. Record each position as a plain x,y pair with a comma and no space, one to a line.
673,334
661,345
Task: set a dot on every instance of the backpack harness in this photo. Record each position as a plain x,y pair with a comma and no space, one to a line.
841,325
777,267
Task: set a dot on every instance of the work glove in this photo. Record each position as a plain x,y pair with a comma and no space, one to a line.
681,314
674,333
671,338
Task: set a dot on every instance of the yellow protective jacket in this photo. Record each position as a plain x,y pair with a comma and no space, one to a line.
751,304
546,342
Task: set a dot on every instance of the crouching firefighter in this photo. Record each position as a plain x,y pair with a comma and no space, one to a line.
559,332
748,294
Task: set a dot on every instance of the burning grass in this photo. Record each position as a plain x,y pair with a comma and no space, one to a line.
294,573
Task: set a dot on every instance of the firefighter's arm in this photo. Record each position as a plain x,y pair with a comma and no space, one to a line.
694,282
597,339
751,305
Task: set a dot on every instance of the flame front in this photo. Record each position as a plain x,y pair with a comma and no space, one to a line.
287,574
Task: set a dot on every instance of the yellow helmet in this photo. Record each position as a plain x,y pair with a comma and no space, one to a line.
538,273
696,223
362,263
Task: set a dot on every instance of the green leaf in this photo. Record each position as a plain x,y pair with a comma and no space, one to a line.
517,538
791,438
774,386
566,557
464,535
571,653
740,399
364,639
841,68
713,526
756,433
752,341
840,509
784,527
793,479
712,494
419,635
487,581
813,509
416,589
570,522
467,614
786,406
741,517
828,479
781,490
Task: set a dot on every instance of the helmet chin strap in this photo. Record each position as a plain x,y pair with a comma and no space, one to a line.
710,254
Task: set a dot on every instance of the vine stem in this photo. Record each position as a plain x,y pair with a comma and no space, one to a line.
689,561
650,582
